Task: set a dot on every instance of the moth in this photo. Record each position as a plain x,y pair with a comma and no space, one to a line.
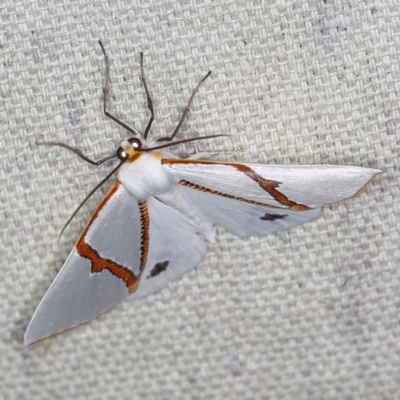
156,220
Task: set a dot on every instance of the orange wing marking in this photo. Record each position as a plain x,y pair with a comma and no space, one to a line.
144,245
267,185
270,187
228,196
99,263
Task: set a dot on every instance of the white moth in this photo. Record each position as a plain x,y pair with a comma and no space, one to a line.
154,223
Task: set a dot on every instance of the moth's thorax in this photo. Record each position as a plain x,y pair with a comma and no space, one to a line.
143,174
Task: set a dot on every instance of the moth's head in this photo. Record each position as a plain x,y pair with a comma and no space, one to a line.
129,149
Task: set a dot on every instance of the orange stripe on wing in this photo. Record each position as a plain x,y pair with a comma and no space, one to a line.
361,189
270,187
267,185
145,223
228,196
99,263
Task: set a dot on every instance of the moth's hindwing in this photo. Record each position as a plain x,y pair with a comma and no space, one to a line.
244,218
174,248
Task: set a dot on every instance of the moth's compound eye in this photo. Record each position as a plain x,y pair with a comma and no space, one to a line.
122,154
136,143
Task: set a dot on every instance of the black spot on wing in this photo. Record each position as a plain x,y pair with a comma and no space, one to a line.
272,217
158,268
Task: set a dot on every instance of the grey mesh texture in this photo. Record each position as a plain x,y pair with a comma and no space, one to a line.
309,313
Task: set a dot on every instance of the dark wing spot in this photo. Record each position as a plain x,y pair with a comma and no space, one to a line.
158,268
272,217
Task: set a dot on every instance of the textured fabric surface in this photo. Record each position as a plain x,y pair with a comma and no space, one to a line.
310,313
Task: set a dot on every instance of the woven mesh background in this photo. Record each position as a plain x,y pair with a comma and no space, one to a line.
310,313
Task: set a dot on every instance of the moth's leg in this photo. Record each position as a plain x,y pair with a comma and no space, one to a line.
203,155
107,95
76,151
113,171
199,155
185,112
149,101
206,155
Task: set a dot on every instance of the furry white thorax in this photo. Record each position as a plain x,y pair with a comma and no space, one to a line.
145,176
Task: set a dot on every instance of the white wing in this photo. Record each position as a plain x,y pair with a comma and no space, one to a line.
296,187
126,247
174,248
242,218
78,293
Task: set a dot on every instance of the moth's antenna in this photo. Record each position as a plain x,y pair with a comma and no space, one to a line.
107,95
77,152
185,112
149,101
163,146
88,197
